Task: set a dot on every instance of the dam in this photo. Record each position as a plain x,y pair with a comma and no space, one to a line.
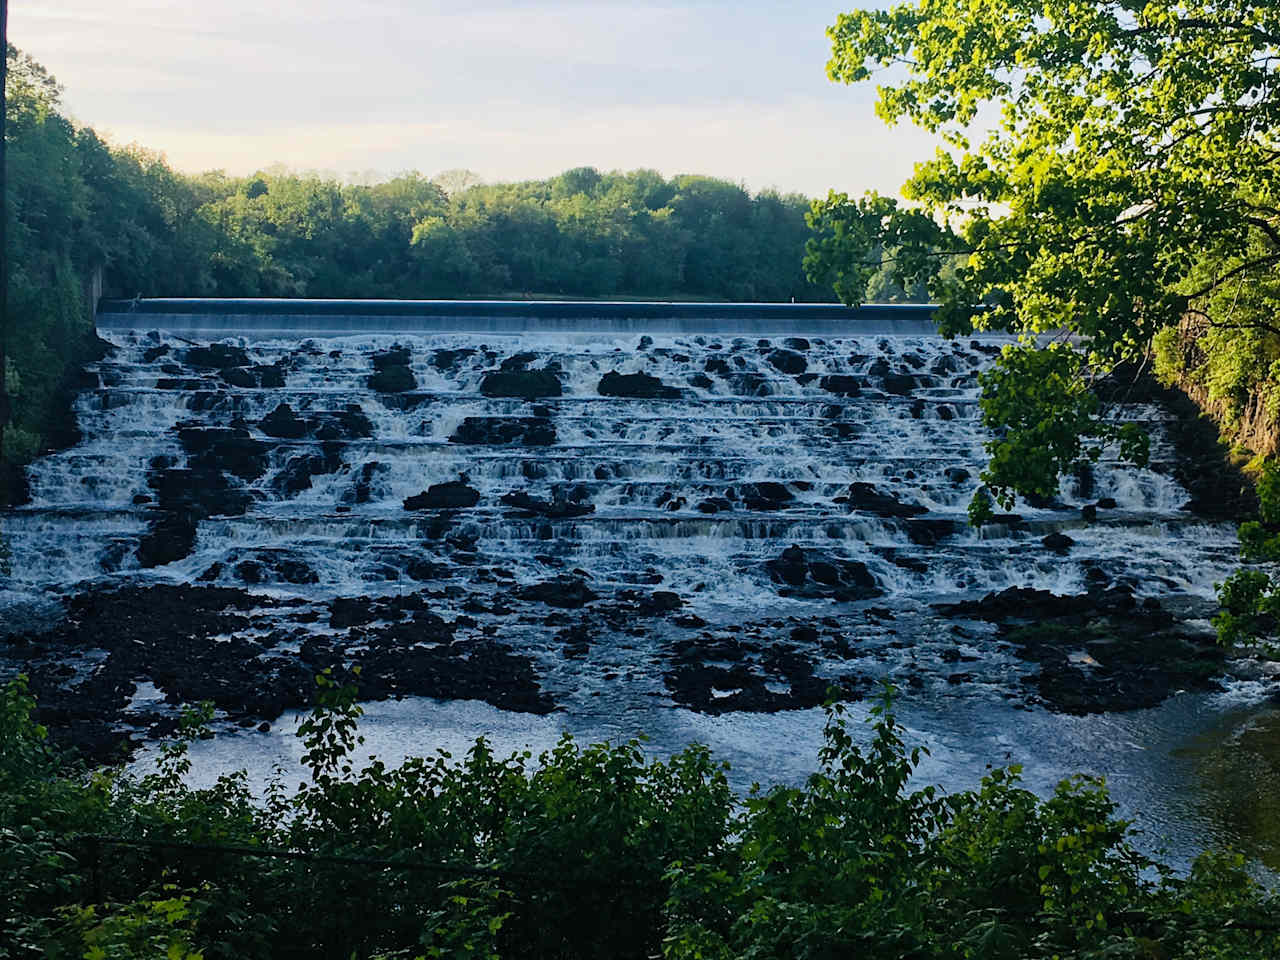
692,521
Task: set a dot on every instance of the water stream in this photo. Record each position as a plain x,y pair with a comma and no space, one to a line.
765,425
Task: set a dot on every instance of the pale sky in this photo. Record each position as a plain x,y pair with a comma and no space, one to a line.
512,89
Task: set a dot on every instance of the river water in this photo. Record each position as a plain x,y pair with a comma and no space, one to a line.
749,447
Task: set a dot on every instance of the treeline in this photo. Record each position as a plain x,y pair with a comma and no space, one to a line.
589,852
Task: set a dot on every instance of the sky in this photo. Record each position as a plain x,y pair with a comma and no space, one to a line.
511,89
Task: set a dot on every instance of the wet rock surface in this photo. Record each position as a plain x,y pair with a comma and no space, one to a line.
453,495
529,526
209,643
635,385
1100,651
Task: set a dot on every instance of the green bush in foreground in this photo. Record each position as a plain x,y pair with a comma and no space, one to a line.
589,852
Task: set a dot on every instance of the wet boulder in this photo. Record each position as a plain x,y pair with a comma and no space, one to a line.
499,431
393,379
567,593
765,495
519,361
283,424
1058,542
296,474
225,448
751,385
453,495
931,532
813,574
449,359
556,509
521,383
715,505
899,384
788,361
217,356
841,384
396,356
864,497
350,423
717,365
274,567
635,385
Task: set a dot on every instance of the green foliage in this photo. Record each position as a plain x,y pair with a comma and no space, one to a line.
1029,450
1126,184
590,852
1250,597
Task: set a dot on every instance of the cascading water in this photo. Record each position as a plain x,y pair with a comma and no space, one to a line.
689,533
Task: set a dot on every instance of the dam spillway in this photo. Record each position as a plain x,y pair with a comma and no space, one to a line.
627,516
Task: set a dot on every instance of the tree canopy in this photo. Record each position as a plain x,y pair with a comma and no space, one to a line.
1110,175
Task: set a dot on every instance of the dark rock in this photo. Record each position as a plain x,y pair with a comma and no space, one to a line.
867,499
841,384
444,496
217,356
271,377
449,359
796,343
788,361
751,385
393,379
397,356
765,495
1106,503
239,377
715,505
422,570
811,574
568,593
152,354
551,509
283,424
526,384
529,431
957,475
1058,542
347,424
1089,512
931,532
519,361
296,474
637,385
702,381
718,365
225,448
899,384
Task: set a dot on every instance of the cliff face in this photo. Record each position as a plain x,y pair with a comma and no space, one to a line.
1250,425
1228,378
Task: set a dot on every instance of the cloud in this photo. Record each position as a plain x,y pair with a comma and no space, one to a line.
510,88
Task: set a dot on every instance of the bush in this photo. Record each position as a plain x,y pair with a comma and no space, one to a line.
590,852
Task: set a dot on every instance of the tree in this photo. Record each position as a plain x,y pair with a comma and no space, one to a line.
1131,180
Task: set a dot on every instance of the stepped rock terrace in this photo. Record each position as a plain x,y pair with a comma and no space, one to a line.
625,516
